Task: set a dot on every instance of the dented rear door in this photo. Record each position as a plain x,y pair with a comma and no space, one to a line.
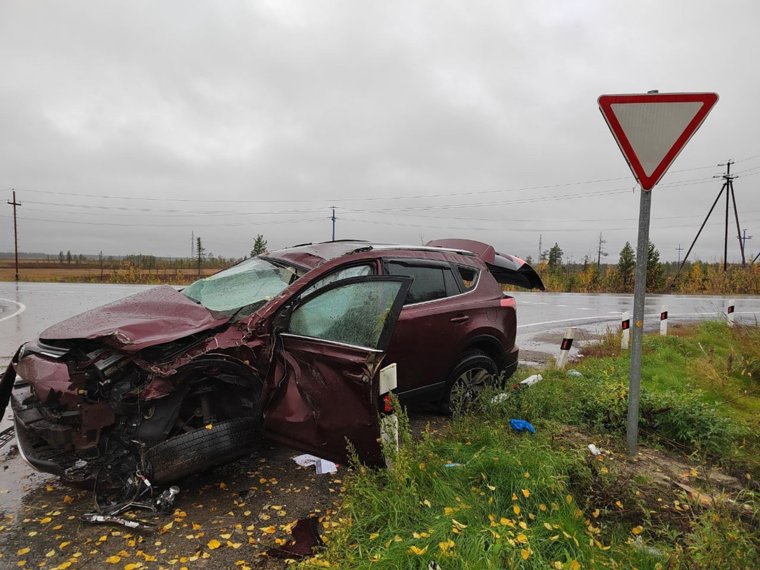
325,369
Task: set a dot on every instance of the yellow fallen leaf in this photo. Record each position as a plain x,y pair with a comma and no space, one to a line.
547,526
448,510
225,536
491,487
516,509
280,541
458,525
637,529
569,499
113,559
542,508
209,426
618,504
417,551
133,566
575,565
269,530
213,544
525,553
64,544
522,538
374,535
23,551
234,545
514,497
68,499
50,553
45,520
526,493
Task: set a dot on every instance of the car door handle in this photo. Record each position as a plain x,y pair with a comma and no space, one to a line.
461,319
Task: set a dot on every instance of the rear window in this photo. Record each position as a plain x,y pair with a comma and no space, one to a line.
430,282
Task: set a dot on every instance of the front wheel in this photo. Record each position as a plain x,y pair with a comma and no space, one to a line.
474,373
203,448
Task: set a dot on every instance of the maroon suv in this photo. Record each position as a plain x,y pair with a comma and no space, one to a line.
301,345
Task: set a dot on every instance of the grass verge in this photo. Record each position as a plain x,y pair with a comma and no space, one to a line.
478,495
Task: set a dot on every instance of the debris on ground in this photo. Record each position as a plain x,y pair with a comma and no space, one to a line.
522,425
530,380
323,466
574,373
305,541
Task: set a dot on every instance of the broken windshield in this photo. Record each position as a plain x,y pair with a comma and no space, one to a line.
251,282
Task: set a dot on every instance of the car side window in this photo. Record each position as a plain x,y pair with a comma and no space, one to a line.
354,313
430,281
345,273
469,276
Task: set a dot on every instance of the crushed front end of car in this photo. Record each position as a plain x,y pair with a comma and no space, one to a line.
77,412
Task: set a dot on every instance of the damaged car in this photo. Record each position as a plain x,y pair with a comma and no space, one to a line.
302,346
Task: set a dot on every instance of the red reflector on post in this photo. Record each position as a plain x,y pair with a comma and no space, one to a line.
625,325
730,309
663,315
566,344
387,403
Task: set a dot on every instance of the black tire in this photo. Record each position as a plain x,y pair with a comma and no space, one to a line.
475,372
201,449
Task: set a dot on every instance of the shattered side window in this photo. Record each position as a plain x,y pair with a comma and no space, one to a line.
352,314
251,282
345,273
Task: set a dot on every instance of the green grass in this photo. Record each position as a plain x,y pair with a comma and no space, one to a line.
478,495
700,393
507,502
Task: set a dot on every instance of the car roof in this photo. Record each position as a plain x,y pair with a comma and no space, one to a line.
311,255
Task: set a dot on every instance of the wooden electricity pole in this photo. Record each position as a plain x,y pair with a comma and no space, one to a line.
15,229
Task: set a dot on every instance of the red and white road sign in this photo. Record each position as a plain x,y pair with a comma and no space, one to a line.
651,129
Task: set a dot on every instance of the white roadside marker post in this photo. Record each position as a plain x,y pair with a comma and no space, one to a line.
730,312
625,325
664,321
564,348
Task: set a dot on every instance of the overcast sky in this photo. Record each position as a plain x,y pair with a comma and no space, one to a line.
125,126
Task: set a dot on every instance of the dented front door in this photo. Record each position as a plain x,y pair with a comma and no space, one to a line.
325,368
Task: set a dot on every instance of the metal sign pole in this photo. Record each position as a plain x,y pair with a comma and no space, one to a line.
639,297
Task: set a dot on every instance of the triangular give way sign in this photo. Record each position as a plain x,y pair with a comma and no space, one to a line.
651,129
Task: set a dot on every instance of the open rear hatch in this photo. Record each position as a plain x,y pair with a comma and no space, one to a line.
506,269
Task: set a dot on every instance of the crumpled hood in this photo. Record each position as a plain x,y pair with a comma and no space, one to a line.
149,318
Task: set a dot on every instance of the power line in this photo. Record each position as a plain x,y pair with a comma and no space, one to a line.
361,199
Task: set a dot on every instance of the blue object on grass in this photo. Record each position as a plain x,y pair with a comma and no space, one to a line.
522,425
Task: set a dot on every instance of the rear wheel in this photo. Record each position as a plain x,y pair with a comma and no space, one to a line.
474,373
203,448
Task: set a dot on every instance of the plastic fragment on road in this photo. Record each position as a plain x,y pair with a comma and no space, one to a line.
530,380
305,541
323,466
96,518
521,426
450,465
594,449
574,373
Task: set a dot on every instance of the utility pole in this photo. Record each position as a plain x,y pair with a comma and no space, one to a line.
192,244
744,239
728,186
538,259
333,223
600,253
15,229
199,249
679,249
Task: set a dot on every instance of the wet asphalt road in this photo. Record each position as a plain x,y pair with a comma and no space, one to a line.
244,506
